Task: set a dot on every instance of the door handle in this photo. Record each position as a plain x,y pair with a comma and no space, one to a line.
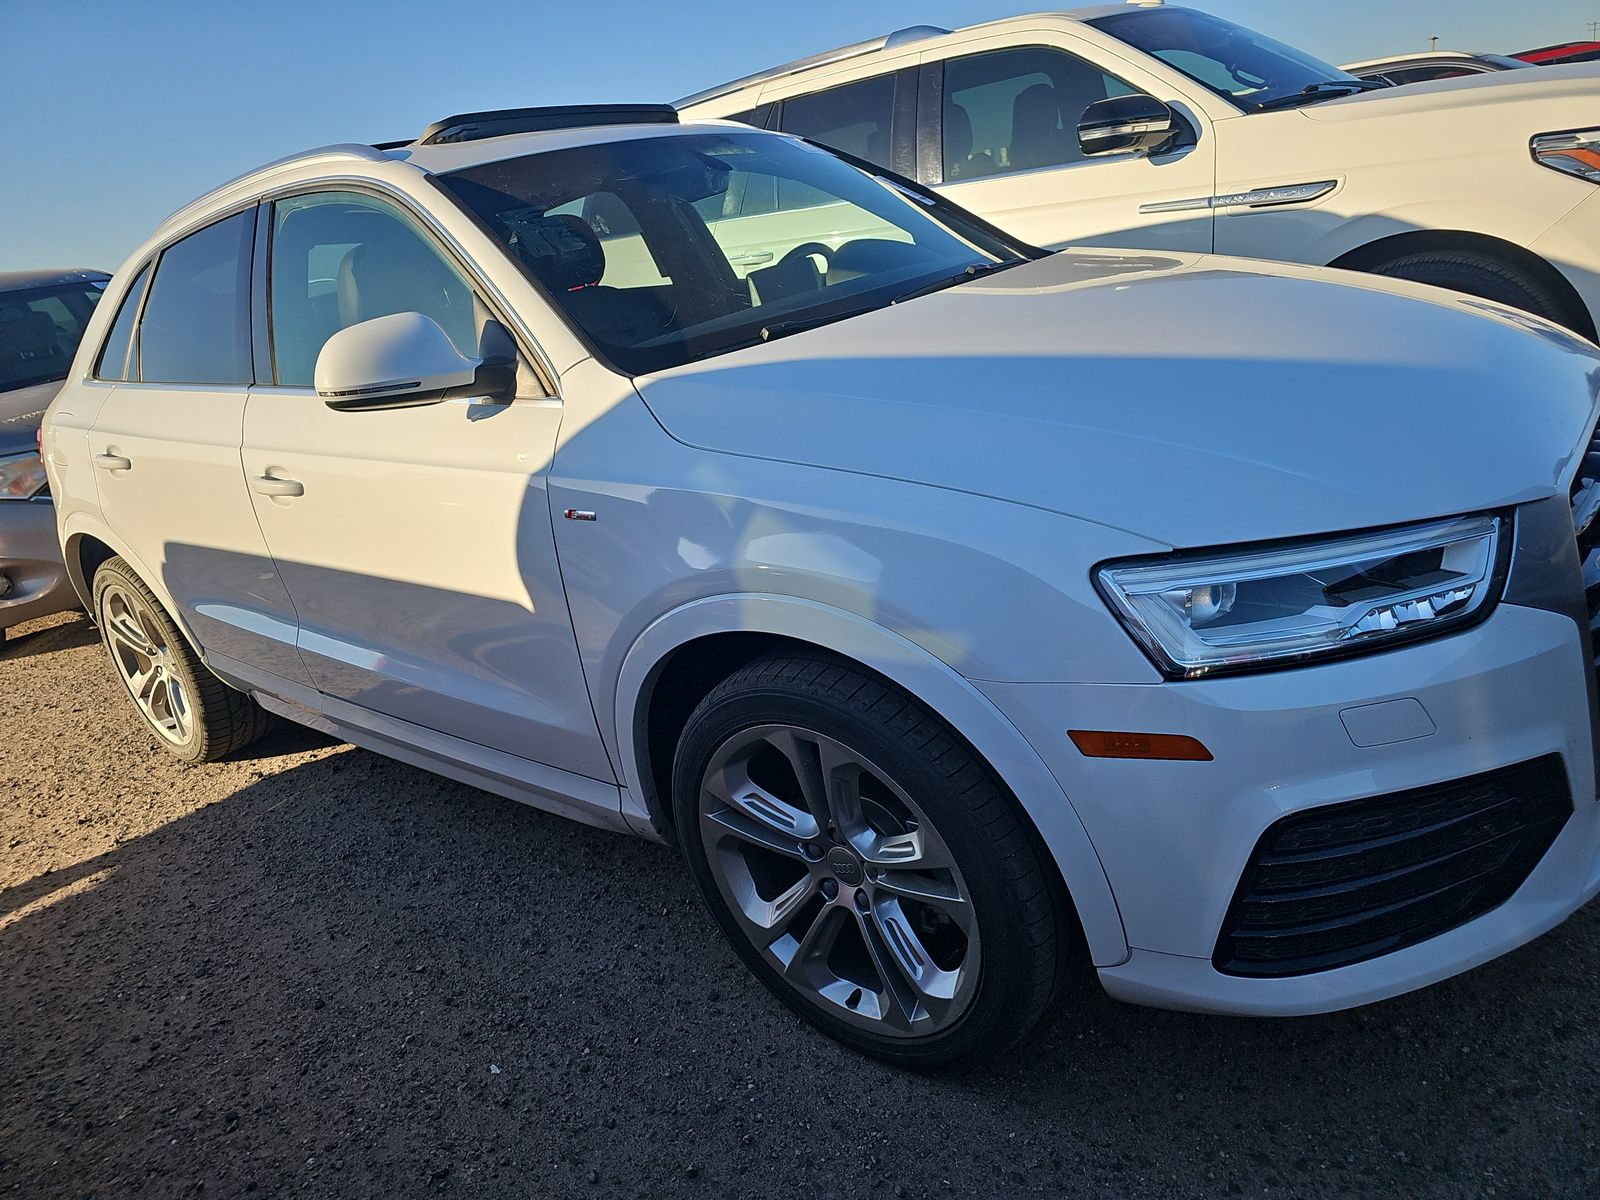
270,485
113,462
753,259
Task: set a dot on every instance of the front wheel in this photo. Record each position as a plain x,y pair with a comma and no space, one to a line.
192,713
1481,275
865,863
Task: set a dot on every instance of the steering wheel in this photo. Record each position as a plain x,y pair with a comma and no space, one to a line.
809,250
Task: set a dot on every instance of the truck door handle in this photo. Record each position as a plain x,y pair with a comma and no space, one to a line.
271,485
113,462
754,259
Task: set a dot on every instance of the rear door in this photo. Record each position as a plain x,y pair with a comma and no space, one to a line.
1000,134
165,447
416,542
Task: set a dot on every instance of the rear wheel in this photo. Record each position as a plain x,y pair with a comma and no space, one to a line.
193,714
1481,275
865,863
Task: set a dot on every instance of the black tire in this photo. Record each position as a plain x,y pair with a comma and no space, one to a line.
221,719
1020,907
1479,274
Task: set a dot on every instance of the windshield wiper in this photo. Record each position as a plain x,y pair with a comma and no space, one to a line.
780,329
1319,91
973,272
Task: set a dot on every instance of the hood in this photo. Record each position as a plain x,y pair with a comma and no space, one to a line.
1193,401
21,411
1531,98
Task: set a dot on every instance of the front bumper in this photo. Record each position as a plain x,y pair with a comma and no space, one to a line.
30,558
1174,838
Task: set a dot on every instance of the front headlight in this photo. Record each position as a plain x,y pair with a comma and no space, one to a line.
22,477
1204,615
1571,153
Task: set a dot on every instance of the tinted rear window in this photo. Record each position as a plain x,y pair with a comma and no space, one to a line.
114,359
196,324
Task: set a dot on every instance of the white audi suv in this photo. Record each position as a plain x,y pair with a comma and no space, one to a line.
958,610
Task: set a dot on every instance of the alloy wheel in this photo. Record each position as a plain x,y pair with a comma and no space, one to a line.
145,662
840,881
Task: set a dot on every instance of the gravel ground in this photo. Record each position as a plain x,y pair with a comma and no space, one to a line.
314,970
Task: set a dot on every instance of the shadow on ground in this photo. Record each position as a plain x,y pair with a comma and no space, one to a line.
33,638
354,978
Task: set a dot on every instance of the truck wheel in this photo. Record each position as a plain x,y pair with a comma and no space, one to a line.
1481,275
866,864
194,715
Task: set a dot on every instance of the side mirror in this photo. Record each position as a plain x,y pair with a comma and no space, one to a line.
402,361
1126,124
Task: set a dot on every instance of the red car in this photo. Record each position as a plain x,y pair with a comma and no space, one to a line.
1566,52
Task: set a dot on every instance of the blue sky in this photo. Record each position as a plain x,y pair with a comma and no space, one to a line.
117,112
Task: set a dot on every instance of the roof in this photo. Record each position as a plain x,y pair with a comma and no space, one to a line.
1559,48
889,41
454,156
15,281
430,158
1499,62
1419,56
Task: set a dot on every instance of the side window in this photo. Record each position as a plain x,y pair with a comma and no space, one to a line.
339,258
855,118
114,358
1017,110
196,323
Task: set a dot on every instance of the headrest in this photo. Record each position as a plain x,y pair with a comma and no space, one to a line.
957,132
1035,113
29,335
562,251
391,271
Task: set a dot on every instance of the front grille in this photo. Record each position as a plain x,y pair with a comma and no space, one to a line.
1586,522
1341,884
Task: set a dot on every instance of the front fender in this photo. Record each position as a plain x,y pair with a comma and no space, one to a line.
929,679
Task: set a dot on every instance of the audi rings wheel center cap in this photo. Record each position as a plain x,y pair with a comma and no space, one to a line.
844,866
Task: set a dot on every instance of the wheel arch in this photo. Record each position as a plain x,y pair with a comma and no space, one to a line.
86,545
1423,241
683,654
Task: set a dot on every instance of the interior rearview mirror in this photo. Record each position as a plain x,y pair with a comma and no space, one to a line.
402,361
1127,124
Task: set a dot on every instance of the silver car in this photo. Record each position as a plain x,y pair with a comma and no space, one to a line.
42,318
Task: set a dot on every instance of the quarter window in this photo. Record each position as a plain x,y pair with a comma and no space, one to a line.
196,323
115,361
856,118
339,258
1017,110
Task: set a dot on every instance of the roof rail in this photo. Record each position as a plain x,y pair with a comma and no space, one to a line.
889,41
472,127
336,151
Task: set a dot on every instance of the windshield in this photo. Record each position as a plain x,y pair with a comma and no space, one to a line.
667,250
40,329
1253,71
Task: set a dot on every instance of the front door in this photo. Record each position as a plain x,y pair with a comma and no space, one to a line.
1007,149
416,542
165,446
